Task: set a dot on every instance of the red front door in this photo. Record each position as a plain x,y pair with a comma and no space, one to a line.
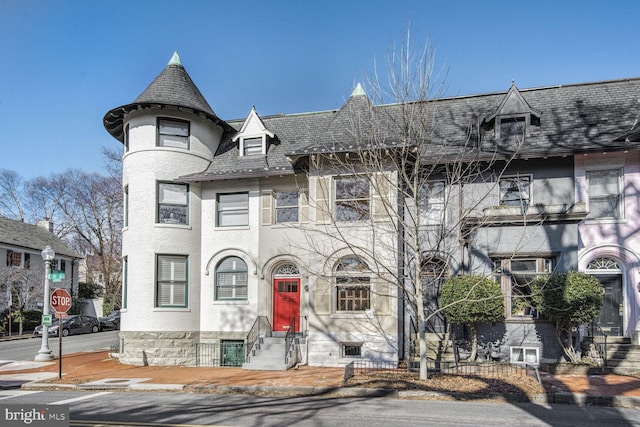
286,303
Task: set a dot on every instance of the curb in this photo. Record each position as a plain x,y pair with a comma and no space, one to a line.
562,398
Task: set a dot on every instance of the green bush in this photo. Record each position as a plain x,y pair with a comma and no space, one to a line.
570,299
471,300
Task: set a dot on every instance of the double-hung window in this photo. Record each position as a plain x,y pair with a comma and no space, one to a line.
353,285
172,282
232,209
352,198
173,203
517,275
605,194
173,133
287,206
431,203
232,279
516,191
18,259
252,146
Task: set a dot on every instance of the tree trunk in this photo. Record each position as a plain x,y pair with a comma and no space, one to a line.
474,342
566,344
423,349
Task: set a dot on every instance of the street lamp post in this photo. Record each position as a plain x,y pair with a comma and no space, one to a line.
45,353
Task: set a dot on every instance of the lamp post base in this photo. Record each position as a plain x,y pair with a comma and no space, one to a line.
44,355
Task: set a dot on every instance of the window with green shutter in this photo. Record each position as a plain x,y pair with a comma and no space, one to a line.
171,286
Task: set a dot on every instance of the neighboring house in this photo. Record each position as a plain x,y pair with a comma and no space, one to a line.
21,245
219,214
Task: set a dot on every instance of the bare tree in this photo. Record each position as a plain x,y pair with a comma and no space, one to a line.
12,191
91,207
400,199
23,286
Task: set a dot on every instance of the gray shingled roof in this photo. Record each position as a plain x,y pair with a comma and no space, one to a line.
573,119
173,87
29,236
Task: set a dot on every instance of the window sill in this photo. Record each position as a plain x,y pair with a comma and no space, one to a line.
174,309
232,228
231,302
352,315
596,221
166,225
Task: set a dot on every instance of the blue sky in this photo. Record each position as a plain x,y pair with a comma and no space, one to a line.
66,63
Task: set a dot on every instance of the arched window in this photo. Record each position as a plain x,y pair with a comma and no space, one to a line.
231,279
287,270
353,285
603,264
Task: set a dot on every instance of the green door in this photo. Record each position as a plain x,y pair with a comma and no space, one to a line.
231,353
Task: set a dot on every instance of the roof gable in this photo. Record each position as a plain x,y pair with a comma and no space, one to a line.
253,126
29,236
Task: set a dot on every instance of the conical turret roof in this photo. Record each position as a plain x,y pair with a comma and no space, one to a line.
172,87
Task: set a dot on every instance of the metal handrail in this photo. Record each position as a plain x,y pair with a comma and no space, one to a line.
289,338
599,339
261,327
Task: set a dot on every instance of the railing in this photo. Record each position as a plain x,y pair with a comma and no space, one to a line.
261,327
369,367
292,333
599,339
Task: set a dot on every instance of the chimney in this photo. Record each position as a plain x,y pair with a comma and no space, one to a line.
46,224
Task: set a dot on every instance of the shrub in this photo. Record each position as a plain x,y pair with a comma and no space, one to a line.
472,299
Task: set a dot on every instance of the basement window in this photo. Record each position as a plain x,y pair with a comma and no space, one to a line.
524,356
351,350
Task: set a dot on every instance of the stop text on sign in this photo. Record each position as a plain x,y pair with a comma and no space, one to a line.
60,300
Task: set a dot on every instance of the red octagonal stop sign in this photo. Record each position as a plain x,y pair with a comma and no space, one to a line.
60,300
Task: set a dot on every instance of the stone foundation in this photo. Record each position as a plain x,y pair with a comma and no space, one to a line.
174,348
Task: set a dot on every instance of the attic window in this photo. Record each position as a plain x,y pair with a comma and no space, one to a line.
513,126
252,146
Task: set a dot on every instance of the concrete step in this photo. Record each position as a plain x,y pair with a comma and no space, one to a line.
268,354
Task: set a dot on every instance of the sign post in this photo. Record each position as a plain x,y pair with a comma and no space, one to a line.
61,303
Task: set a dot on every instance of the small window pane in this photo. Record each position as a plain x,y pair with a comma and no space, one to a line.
233,209
252,146
352,199
605,194
287,206
515,191
171,288
173,133
172,203
232,279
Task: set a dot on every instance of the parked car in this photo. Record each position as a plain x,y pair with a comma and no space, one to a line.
112,321
72,325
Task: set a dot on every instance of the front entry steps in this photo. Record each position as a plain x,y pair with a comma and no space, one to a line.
267,354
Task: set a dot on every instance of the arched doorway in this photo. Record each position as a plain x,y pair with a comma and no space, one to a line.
609,274
286,297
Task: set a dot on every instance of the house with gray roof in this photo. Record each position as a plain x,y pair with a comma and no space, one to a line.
21,245
265,242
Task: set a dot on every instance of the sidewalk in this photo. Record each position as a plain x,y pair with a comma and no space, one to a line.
97,371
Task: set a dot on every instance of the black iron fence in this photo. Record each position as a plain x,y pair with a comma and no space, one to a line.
223,354
370,367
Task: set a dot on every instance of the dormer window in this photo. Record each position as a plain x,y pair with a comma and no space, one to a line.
512,126
513,118
253,138
252,146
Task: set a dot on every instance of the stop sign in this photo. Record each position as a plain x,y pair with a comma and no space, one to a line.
60,300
